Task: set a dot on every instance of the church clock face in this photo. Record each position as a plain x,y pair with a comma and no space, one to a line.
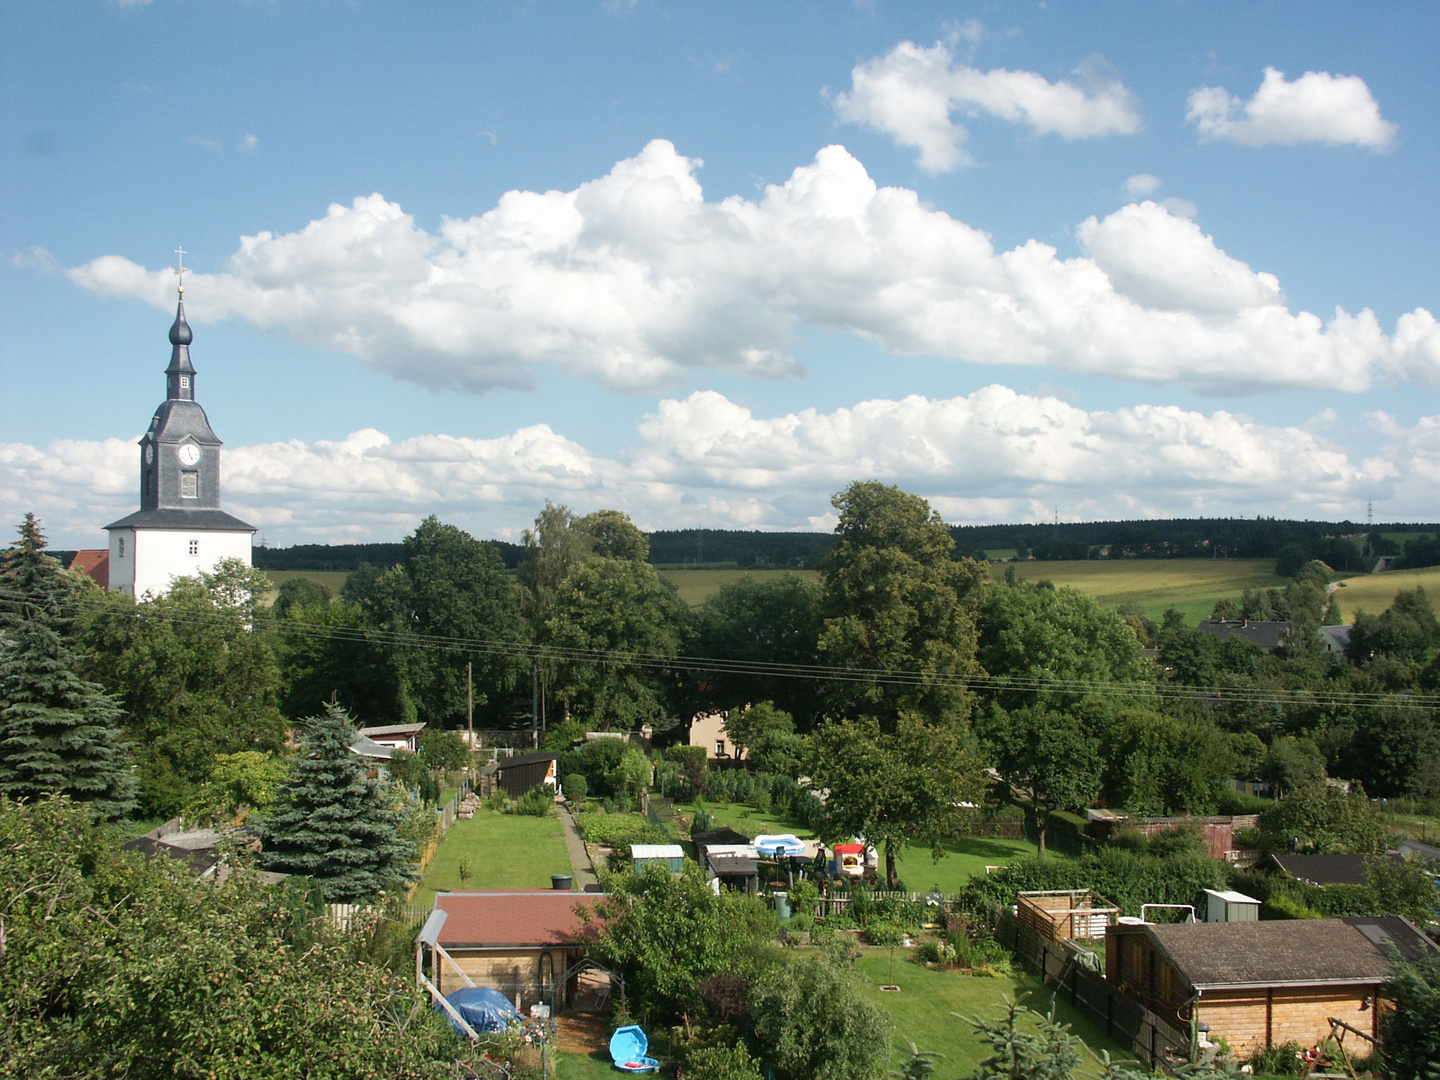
189,454
149,453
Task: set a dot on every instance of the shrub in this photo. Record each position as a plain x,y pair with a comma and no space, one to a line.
804,897
881,932
702,821
1287,1059
722,1063
576,787
939,953
537,802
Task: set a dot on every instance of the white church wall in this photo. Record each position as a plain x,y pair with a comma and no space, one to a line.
154,557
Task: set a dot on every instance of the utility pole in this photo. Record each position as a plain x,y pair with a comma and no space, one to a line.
535,703
470,704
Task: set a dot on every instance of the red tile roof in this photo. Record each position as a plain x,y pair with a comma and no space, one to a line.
94,562
518,919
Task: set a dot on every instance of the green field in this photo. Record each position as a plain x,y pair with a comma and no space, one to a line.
334,580
506,851
1374,592
1190,585
695,585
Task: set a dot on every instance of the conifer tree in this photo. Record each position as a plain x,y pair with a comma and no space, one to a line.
333,824
59,733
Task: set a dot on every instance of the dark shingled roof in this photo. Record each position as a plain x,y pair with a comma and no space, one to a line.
1325,869
181,519
514,919
1303,952
516,760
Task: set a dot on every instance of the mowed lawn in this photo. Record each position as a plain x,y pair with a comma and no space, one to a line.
505,851
923,1012
924,1007
1190,585
919,870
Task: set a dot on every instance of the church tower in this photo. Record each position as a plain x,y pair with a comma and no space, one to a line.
179,529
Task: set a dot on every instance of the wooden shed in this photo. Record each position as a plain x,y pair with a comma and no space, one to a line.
525,944
670,856
1258,984
1074,914
518,774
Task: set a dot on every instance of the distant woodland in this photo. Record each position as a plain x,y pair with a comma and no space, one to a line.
1344,546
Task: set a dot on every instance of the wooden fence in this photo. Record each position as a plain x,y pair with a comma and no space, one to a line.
345,916
1078,973
445,817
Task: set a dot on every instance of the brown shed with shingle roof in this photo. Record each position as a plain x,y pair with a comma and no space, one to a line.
1259,984
518,942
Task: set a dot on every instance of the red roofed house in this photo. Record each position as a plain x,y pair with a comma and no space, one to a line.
519,942
94,563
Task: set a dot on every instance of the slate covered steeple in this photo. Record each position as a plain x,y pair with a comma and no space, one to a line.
180,375
179,528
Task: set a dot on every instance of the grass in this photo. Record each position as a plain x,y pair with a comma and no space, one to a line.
1374,592
695,586
595,1066
505,851
924,1009
334,580
1190,585
919,871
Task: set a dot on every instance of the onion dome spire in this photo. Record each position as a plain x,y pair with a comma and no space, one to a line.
180,375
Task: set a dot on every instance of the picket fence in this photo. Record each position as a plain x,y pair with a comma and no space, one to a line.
346,916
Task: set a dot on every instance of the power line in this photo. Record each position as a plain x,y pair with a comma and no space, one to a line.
535,651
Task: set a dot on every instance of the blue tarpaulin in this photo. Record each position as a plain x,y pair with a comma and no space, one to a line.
484,1008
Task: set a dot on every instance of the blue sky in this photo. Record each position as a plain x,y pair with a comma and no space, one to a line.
707,263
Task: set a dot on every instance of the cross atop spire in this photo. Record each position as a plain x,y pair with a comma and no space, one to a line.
179,270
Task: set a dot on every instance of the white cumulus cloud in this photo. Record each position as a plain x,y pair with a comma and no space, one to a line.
1318,107
913,92
706,461
635,281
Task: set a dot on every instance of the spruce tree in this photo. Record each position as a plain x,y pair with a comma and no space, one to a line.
59,733
333,824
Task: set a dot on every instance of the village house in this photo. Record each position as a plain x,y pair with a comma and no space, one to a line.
1258,984
708,730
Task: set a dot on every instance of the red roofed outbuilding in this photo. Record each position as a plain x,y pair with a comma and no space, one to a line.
520,942
94,563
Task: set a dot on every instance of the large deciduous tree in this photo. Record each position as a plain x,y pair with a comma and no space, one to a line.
897,600
1050,758
754,622
59,733
193,675
450,604
333,824
611,626
116,966
1053,646
909,785
665,935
